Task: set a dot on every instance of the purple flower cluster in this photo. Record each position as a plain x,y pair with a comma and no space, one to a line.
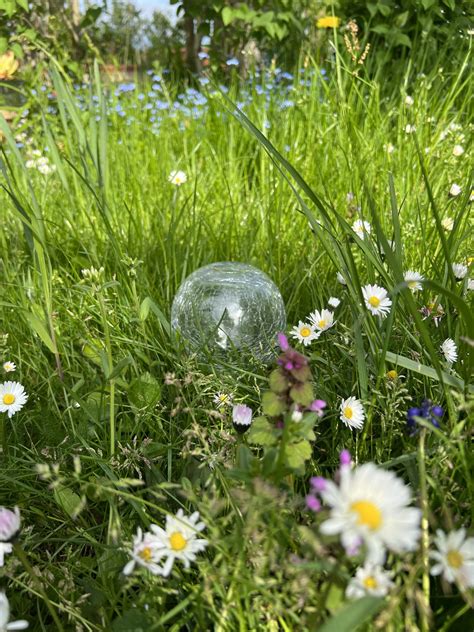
427,410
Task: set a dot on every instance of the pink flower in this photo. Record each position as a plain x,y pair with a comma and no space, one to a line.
9,523
317,407
313,503
242,417
318,483
283,342
345,457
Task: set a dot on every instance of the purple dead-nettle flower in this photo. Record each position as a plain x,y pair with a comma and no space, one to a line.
313,503
241,417
283,342
345,458
318,483
317,407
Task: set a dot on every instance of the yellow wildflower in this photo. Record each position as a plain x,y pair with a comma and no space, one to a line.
8,65
328,22
392,375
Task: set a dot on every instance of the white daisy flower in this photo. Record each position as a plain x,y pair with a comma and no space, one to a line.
454,557
459,270
361,228
389,148
12,397
5,549
412,279
470,284
352,413
449,350
334,302
305,333
455,190
458,150
370,506
20,624
341,279
370,580
376,300
409,101
448,224
322,320
9,367
410,129
177,177
146,552
178,540
222,399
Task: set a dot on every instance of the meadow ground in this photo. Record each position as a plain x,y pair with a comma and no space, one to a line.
121,427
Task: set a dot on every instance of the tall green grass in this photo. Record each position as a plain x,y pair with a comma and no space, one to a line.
92,353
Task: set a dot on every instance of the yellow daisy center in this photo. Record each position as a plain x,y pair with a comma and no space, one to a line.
322,324
177,541
368,514
146,554
392,375
455,559
305,332
374,301
412,284
348,412
370,582
8,399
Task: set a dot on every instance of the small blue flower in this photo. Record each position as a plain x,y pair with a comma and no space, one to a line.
203,55
428,411
233,61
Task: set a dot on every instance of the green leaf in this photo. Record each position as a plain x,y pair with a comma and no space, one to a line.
353,615
401,39
261,432
425,370
278,381
147,305
132,621
427,4
302,393
380,28
227,15
17,50
144,391
297,453
272,405
40,329
119,367
3,45
384,9
69,501
23,4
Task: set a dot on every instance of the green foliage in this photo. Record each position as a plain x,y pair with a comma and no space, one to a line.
120,427
435,24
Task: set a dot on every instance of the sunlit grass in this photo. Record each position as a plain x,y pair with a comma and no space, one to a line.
283,199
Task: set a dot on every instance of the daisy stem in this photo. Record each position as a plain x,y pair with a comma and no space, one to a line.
425,581
3,437
108,347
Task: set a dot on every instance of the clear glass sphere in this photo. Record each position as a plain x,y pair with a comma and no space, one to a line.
229,305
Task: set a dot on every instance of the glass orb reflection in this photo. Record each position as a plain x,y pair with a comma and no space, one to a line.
229,305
